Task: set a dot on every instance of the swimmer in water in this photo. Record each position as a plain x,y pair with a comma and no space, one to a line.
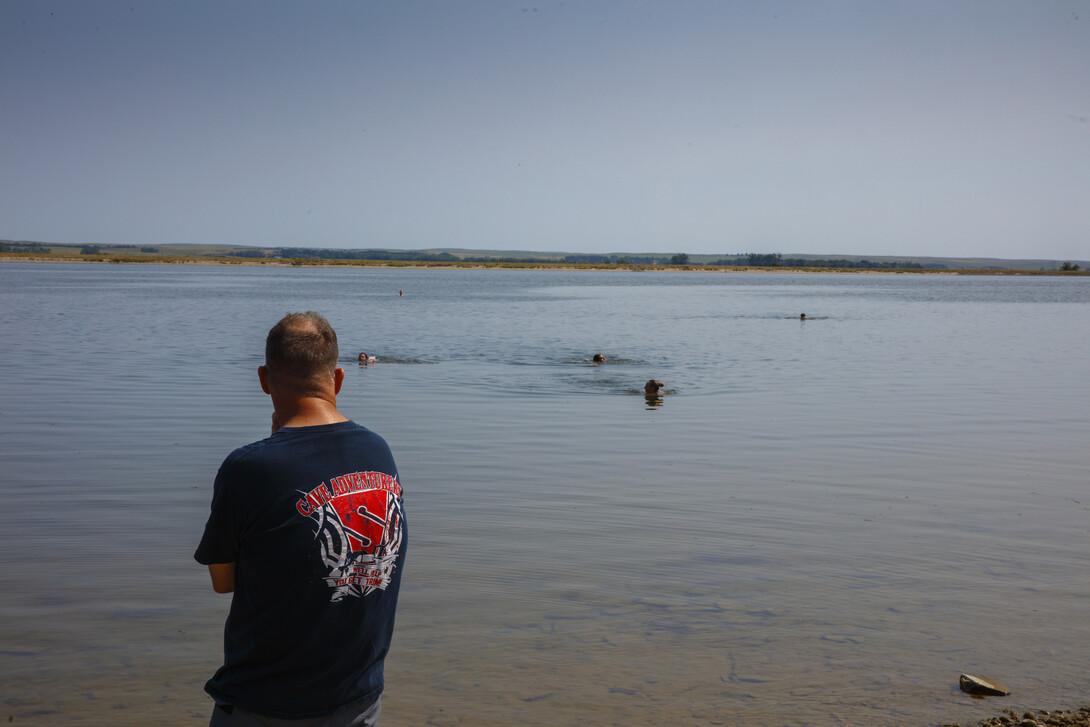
651,388
802,317
599,358
365,359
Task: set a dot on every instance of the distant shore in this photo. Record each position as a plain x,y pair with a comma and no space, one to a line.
107,259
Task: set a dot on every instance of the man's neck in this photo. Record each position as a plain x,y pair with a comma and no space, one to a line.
307,403
308,412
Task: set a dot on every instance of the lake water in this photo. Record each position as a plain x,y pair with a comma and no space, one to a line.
822,522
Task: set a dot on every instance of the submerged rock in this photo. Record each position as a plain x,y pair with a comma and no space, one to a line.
982,686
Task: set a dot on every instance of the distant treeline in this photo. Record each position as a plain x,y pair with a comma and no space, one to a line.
754,260
751,259
37,248
763,260
775,260
31,248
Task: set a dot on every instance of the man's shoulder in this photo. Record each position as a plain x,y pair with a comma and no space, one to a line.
244,455
293,438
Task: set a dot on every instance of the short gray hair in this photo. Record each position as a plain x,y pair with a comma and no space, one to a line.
302,346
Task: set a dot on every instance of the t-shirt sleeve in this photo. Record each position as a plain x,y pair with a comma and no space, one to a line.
220,541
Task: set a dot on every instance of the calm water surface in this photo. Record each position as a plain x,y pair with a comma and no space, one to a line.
821,523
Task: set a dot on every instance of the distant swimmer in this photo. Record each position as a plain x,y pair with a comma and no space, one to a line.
651,388
400,293
802,317
599,358
365,359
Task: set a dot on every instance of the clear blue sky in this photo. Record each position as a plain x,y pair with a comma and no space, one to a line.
922,127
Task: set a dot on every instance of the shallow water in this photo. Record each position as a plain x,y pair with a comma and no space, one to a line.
823,522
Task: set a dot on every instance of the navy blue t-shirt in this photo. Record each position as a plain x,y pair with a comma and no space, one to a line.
313,517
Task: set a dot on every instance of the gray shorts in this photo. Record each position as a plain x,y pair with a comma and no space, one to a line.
230,716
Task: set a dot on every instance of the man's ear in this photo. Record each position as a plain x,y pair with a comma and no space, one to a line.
338,379
263,377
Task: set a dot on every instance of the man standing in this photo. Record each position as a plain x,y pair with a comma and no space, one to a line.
308,531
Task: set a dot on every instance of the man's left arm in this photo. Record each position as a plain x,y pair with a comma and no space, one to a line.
223,577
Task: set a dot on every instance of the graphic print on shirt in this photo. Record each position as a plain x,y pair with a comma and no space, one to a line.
360,521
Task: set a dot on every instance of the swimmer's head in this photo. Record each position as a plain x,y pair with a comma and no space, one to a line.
599,358
363,356
652,387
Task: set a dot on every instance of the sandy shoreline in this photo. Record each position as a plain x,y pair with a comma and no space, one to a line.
446,265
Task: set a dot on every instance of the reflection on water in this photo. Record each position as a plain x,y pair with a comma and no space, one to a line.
827,525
